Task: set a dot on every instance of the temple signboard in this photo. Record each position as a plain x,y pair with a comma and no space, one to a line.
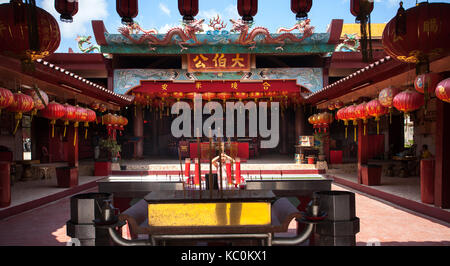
218,62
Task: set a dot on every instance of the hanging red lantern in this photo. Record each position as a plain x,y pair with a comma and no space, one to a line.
53,112
208,96
338,104
22,104
80,116
256,95
188,9
224,96
270,95
241,95
40,100
95,106
424,36
375,109
127,10
351,116
69,115
247,9
6,98
427,81
178,95
331,107
361,9
443,90
91,117
342,115
28,33
408,101
102,108
301,8
362,113
386,98
67,9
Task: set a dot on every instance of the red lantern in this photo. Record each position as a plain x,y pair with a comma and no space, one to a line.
338,104
331,107
127,10
386,98
429,80
67,9
208,96
91,117
247,9
351,115
6,98
39,104
361,9
362,113
18,41
256,95
342,115
22,103
425,33
188,9
102,108
95,106
80,116
408,101
178,95
241,95
270,94
69,115
443,90
301,8
53,111
375,109
224,96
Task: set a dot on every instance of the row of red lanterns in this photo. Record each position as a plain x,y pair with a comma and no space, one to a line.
247,9
114,122
321,120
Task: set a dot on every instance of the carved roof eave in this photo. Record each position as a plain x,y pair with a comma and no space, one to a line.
318,43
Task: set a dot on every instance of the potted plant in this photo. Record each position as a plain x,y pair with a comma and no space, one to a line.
110,151
319,139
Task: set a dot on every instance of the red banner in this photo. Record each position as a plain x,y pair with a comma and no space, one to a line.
219,86
218,62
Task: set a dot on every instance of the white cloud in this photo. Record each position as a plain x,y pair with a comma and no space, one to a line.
167,27
164,9
87,11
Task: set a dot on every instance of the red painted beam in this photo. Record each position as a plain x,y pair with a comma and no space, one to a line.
56,77
99,32
335,31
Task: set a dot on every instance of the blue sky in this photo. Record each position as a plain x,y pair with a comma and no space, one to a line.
163,14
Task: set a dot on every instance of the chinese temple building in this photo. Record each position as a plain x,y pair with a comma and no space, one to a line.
365,107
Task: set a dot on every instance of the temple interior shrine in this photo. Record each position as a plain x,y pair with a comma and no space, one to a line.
220,130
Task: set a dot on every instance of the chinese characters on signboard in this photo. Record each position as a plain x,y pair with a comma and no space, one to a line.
218,62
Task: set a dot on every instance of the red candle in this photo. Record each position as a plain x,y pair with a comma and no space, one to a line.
228,168
197,173
187,167
238,171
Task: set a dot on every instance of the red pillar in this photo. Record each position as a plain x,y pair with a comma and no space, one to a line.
442,173
363,149
138,127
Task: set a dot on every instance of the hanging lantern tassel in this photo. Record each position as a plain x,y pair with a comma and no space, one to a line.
378,124
390,115
86,125
53,122
346,127
18,117
355,129
66,123
365,125
76,133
